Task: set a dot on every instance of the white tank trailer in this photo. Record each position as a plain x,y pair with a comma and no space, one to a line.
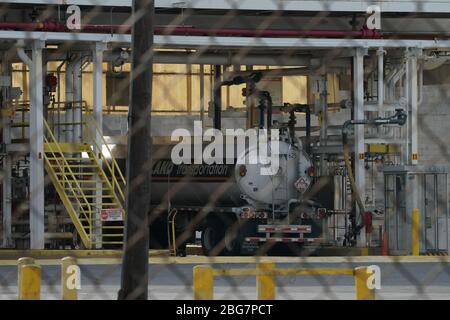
236,208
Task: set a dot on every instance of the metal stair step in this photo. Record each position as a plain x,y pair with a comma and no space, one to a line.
89,196
77,173
85,181
108,227
91,189
107,242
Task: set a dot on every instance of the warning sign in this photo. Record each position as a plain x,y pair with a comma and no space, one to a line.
301,185
111,215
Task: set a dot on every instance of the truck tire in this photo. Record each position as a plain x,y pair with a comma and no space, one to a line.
220,237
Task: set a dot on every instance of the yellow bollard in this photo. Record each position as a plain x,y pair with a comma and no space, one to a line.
70,278
203,283
30,282
265,284
415,236
363,292
22,262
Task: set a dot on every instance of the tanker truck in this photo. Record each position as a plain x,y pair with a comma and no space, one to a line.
235,205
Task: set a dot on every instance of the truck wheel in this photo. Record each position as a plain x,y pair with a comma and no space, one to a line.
219,237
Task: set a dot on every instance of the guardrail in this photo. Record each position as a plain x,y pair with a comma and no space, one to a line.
203,279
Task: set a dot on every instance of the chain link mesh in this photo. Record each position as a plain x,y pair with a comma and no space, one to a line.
221,56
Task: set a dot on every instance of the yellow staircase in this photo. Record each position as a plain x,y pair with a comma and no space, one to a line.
90,185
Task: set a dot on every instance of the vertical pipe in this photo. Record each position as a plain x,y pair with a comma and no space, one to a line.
202,94
380,53
77,100
249,103
36,149
217,97
189,88
324,123
58,100
358,87
269,113
308,129
68,118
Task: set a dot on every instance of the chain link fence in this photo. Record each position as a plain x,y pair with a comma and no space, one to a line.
307,134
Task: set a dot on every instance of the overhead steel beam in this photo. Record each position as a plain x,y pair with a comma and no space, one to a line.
423,6
227,42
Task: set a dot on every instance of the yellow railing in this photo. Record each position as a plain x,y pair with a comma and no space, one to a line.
203,279
64,180
118,181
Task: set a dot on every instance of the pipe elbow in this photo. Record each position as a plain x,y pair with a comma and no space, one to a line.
21,53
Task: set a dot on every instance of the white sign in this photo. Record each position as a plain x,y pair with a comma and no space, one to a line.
111,215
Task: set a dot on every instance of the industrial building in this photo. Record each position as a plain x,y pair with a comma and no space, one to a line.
356,91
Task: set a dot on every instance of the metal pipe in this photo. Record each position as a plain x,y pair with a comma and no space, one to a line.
380,53
77,106
68,128
308,129
217,97
55,26
23,56
58,95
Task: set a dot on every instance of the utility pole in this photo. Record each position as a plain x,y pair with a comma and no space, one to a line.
134,284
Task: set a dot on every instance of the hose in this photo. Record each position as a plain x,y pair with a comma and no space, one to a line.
348,165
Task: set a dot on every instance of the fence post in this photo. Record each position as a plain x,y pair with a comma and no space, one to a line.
203,282
69,279
29,282
265,284
363,292
415,236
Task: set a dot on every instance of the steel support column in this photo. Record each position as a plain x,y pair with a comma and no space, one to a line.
97,61
6,165
37,183
412,84
358,87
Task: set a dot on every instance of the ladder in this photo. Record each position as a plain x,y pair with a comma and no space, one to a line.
90,187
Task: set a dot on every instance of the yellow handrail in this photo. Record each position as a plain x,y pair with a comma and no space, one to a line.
114,168
71,174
